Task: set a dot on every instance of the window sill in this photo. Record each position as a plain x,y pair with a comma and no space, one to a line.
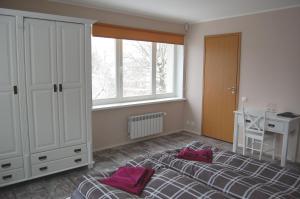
138,103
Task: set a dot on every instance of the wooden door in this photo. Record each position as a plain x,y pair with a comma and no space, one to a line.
71,79
221,75
10,140
41,76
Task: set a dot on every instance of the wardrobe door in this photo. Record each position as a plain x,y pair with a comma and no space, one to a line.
10,143
41,82
71,80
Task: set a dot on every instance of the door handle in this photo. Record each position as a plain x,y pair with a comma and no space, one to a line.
15,90
60,88
55,88
232,89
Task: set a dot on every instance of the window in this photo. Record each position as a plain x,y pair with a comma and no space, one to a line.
104,68
137,68
165,63
129,70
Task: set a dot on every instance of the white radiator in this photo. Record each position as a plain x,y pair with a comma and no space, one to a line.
144,125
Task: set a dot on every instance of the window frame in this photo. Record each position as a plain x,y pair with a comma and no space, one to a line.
119,78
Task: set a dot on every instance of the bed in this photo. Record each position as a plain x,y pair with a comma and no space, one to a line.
229,176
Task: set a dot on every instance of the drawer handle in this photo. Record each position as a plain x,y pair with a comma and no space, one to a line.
7,177
78,160
5,166
43,168
248,121
77,150
271,125
42,158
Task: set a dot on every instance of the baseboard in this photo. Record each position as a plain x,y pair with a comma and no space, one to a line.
137,140
192,131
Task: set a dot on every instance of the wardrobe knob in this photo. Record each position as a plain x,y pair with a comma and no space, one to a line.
77,150
42,158
5,166
7,177
43,168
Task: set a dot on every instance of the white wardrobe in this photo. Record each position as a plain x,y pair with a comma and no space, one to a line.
45,95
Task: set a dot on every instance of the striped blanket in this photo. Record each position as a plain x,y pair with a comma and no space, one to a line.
165,183
229,176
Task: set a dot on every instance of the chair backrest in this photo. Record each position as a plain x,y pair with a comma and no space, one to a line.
254,121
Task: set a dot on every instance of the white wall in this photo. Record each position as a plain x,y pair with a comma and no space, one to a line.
270,61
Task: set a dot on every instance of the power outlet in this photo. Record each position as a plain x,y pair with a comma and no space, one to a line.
244,99
272,107
190,123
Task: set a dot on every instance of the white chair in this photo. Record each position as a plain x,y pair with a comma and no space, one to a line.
254,123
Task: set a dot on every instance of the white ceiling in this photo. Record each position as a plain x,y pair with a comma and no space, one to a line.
186,11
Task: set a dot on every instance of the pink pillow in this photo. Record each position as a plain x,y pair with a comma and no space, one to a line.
202,155
129,175
130,179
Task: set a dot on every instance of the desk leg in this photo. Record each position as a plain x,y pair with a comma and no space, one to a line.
284,149
296,132
235,134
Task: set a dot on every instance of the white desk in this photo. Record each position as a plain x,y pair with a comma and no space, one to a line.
278,125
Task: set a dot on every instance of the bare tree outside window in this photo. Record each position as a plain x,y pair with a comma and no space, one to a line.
137,68
103,68
164,68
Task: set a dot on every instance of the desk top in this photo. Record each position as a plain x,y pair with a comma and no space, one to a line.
273,116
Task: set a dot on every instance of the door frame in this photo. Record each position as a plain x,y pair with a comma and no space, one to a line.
239,34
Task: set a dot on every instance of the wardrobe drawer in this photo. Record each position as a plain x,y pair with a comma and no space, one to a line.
57,154
11,176
59,165
274,126
12,163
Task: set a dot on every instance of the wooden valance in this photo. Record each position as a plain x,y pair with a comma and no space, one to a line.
121,32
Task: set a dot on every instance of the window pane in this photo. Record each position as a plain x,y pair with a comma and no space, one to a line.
164,68
137,68
103,68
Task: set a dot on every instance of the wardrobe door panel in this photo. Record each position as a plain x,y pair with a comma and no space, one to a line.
41,76
71,76
43,120
73,132
10,142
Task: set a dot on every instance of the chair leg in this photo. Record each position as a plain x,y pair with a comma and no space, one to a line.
248,142
261,149
252,145
245,143
274,144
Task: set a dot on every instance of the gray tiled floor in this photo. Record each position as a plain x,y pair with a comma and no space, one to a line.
62,184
